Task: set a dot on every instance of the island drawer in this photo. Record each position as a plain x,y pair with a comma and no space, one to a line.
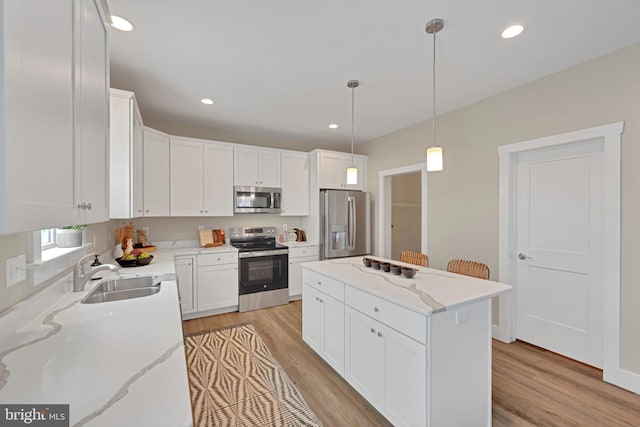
403,320
303,251
218,259
324,284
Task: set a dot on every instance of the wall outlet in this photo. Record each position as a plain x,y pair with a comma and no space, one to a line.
146,233
200,227
285,227
462,317
16,270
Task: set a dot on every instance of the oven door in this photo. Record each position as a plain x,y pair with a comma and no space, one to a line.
263,271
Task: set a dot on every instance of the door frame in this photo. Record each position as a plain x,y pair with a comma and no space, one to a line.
384,206
505,330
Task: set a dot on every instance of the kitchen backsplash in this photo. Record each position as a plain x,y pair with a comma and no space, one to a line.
186,228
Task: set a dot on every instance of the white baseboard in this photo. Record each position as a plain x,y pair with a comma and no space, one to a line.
622,378
500,334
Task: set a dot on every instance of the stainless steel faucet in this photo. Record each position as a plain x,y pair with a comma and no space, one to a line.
80,279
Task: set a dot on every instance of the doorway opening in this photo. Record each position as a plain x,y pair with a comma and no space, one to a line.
402,210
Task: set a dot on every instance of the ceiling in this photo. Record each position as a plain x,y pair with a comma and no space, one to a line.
278,69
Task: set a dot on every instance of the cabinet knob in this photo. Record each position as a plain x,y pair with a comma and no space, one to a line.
147,211
376,309
89,207
218,259
379,334
373,331
319,282
206,211
139,210
321,300
189,264
82,206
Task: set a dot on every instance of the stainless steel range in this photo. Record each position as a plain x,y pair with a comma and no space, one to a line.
263,275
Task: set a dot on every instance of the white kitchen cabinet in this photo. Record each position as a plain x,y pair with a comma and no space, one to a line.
53,134
186,276
256,167
201,178
156,173
295,184
332,169
217,283
126,155
387,368
298,256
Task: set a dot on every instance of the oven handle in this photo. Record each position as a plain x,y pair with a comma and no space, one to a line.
263,253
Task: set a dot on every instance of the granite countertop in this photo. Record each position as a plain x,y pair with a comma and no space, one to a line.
429,291
115,363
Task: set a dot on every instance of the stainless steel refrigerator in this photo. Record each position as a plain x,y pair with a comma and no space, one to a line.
345,223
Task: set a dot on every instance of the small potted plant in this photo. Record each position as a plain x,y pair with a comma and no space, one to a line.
69,236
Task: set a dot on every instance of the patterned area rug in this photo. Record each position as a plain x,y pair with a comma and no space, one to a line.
236,382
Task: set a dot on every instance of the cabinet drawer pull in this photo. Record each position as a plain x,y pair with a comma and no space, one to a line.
379,334
376,309
373,331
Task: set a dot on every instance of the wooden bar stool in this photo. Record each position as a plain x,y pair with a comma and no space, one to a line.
416,258
469,268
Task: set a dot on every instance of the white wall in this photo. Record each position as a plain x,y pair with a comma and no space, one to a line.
463,199
405,214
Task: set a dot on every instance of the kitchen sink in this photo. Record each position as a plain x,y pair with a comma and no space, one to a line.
122,288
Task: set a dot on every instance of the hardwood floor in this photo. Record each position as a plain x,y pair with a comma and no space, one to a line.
531,386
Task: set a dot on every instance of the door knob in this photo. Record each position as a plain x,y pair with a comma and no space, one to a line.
523,256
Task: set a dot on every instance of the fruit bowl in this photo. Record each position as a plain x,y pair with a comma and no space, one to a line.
144,261
136,262
126,262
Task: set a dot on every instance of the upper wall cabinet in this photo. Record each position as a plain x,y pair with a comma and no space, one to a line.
126,151
156,173
53,132
201,178
332,170
256,167
295,183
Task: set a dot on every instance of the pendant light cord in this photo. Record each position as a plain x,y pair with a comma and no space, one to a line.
352,114
433,144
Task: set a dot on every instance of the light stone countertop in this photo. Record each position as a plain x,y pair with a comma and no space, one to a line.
119,363
429,291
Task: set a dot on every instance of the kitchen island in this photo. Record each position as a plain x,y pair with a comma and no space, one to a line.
418,349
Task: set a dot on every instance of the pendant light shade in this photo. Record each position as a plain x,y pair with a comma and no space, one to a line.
352,171
435,160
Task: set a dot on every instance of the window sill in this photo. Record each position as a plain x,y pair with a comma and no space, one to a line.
55,261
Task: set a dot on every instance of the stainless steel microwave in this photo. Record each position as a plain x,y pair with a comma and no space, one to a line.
256,200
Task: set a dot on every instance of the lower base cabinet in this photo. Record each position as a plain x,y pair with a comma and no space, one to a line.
387,368
297,256
217,286
323,326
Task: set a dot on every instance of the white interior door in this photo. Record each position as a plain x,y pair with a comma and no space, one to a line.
559,256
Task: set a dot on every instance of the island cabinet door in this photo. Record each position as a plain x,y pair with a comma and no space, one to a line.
312,318
333,333
364,356
405,400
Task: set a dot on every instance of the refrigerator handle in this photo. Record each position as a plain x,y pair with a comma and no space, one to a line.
351,222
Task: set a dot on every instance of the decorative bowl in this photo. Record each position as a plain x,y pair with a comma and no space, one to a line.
409,272
126,262
144,261
375,264
366,261
385,266
396,269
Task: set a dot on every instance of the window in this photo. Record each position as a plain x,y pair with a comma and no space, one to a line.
47,239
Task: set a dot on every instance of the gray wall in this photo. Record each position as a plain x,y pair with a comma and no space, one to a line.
463,199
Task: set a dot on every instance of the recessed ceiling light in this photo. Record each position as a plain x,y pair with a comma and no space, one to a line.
120,23
333,126
207,101
512,31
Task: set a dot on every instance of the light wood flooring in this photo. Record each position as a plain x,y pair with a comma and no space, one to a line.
531,386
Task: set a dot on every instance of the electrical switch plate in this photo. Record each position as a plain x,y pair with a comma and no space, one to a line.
16,270
284,227
200,227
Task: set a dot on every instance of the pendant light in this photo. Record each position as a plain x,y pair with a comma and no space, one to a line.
352,171
434,153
